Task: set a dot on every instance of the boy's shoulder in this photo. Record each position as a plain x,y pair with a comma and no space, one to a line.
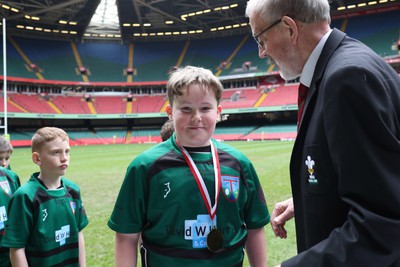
8,173
27,189
70,183
221,146
4,171
31,187
154,152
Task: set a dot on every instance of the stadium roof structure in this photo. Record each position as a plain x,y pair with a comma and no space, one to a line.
131,20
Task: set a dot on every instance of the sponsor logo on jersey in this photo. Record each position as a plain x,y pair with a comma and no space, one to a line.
6,187
197,230
3,217
62,234
230,187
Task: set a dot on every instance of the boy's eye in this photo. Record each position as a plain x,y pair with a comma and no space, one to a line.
186,109
204,109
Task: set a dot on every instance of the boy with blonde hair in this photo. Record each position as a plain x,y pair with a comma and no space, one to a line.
195,201
46,213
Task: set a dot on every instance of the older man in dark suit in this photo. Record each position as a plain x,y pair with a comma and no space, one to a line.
345,164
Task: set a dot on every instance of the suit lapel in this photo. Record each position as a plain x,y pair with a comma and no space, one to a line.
334,40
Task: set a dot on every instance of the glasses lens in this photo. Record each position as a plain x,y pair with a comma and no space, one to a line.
260,43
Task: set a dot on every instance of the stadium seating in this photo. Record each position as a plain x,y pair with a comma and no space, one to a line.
281,96
32,103
71,104
274,132
378,31
109,104
239,98
149,103
152,62
10,106
105,61
54,58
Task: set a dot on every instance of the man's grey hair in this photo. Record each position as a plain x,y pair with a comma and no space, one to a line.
306,11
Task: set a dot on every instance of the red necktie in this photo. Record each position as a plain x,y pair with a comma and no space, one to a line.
300,101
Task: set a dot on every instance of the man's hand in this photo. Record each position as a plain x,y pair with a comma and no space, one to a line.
282,212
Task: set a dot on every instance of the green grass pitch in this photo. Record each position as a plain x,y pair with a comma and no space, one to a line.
99,171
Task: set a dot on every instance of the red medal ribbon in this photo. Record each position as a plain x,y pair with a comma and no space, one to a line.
199,179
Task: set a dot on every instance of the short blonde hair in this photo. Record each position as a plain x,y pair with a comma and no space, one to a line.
47,134
5,145
182,78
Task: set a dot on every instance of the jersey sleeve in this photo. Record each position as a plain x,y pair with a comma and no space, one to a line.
256,213
129,211
82,220
20,221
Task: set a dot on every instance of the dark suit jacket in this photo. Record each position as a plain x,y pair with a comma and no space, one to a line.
347,207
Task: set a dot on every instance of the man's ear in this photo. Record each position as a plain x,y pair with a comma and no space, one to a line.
292,26
168,109
36,158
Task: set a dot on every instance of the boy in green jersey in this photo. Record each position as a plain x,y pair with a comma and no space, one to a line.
194,201
9,182
46,214
6,150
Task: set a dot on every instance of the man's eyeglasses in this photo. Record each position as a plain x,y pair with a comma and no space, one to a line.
260,43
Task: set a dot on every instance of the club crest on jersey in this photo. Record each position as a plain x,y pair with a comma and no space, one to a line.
230,187
6,187
310,167
73,206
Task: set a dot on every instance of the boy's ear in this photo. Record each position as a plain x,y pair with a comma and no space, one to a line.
219,109
36,158
168,109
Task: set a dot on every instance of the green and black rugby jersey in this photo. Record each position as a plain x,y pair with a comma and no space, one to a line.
9,183
160,198
46,223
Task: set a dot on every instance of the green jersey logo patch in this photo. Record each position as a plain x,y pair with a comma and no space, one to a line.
230,187
6,187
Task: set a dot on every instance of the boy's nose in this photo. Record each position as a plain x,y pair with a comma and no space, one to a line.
3,163
64,157
196,117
